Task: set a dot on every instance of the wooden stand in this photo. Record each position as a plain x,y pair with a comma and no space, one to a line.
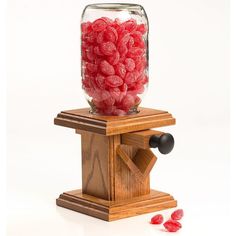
116,163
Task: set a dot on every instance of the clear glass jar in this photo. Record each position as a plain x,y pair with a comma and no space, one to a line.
114,57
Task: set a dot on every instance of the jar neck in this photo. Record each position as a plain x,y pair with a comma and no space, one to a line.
115,6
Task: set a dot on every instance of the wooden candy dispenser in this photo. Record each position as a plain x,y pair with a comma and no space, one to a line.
116,134
116,163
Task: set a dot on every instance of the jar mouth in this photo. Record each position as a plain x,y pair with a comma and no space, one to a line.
114,6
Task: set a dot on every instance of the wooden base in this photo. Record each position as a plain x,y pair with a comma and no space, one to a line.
114,210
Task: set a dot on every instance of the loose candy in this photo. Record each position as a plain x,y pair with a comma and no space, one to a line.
157,219
114,64
177,215
172,225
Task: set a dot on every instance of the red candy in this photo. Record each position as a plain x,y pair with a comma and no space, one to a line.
177,215
115,93
157,219
99,25
100,37
113,81
114,59
129,64
172,225
130,25
100,81
120,70
114,64
111,34
107,48
131,78
142,28
106,68
127,102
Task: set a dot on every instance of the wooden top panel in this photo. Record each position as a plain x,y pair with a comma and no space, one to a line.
85,113
81,119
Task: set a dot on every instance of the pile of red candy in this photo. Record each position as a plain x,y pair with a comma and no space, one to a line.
114,64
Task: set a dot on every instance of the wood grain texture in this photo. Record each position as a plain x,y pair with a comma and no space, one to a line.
114,210
105,175
144,159
116,164
114,142
127,185
140,138
140,164
130,164
81,119
95,165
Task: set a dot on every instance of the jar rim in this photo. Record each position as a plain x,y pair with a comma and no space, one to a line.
115,6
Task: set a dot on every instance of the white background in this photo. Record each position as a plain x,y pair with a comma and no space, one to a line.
189,77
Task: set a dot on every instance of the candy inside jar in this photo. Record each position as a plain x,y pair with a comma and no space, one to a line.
114,59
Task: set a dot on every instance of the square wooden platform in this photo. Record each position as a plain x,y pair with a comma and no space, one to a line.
81,119
114,210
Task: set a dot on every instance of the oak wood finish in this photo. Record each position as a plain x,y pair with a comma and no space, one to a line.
105,175
141,163
126,183
130,164
140,138
114,210
144,160
116,164
95,165
81,119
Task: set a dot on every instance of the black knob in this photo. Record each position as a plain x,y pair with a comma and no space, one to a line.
164,142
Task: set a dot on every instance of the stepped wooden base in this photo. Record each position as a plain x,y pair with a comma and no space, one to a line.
114,210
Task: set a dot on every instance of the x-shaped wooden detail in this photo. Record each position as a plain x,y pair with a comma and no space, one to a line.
141,164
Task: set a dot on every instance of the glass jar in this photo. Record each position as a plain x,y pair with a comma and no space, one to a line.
114,57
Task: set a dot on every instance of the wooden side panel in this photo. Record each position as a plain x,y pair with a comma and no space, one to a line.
95,165
104,173
114,141
126,184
